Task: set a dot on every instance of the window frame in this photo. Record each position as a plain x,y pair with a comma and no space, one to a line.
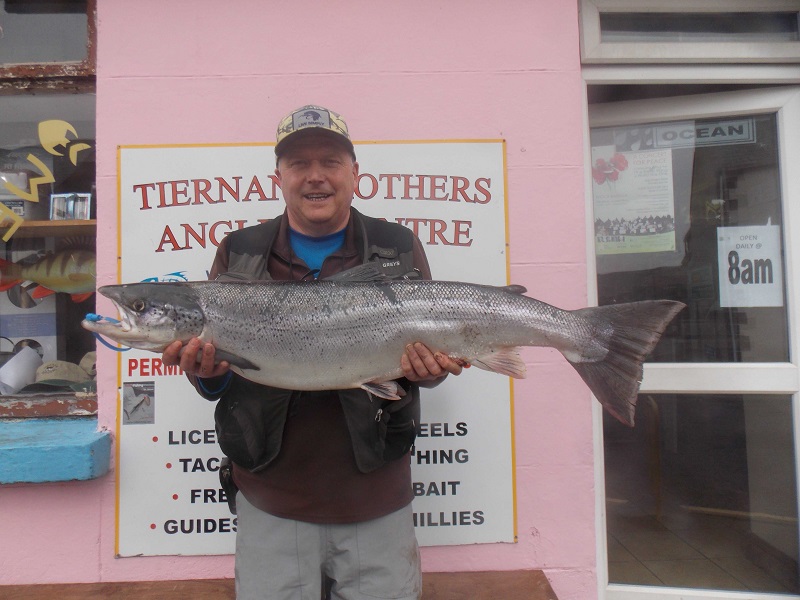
595,51
56,76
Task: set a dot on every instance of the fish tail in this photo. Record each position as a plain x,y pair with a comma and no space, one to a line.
635,329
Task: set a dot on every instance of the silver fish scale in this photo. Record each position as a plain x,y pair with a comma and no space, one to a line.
329,334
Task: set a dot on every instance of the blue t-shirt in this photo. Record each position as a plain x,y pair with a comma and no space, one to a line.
314,250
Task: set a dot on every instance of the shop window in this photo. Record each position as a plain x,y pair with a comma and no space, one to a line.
685,31
47,197
665,194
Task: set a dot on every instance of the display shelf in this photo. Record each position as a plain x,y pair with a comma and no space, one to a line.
36,229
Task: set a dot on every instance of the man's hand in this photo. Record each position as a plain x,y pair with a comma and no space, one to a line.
421,365
187,360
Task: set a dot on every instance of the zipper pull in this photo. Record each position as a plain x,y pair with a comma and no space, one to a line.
378,415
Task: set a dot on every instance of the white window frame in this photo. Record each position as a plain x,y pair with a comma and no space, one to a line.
594,50
769,378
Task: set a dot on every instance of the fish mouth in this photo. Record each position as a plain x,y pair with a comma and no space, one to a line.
119,331
125,324
125,331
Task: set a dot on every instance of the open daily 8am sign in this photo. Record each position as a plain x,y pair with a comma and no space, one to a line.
176,204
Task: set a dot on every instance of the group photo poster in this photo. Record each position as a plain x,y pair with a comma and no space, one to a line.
634,205
176,204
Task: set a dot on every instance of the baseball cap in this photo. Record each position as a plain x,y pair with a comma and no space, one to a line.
60,374
88,364
316,118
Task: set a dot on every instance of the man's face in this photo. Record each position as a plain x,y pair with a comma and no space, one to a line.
317,177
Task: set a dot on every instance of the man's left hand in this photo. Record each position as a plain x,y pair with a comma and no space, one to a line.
420,365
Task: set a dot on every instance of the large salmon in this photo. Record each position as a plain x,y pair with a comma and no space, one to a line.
348,334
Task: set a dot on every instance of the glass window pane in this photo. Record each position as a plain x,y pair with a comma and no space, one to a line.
702,494
691,211
42,32
699,27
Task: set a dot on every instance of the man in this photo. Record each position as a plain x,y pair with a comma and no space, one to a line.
324,477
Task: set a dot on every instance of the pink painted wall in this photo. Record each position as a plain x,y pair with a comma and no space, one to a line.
203,71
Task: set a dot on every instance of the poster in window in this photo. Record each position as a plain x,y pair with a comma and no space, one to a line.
634,204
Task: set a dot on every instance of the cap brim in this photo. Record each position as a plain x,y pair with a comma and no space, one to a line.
295,136
51,385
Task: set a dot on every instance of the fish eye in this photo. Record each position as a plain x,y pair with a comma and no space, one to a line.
138,305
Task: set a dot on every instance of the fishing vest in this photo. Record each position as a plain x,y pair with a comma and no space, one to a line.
394,257
250,417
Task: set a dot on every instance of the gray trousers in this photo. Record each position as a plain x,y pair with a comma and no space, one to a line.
282,559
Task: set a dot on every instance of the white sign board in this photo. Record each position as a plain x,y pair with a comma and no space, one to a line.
176,205
750,266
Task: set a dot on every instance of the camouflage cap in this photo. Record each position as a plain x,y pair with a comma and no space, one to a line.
88,363
61,375
313,117
60,370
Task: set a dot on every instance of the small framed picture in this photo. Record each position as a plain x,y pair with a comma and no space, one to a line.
70,206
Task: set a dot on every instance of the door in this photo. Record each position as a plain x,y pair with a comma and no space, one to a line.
697,199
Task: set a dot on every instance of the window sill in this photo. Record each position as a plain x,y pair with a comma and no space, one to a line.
53,404
51,437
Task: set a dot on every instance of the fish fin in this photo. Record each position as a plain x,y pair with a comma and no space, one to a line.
384,389
41,292
9,275
81,297
636,328
514,289
365,272
233,359
505,361
236,360
77,242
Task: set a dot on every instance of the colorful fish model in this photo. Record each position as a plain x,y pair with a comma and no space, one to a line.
70,271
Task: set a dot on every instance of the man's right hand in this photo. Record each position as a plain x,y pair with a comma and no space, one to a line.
187,359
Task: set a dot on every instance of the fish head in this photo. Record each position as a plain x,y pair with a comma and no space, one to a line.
152,315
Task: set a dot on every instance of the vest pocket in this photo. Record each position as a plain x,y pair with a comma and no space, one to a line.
399,439
402,422
249,421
